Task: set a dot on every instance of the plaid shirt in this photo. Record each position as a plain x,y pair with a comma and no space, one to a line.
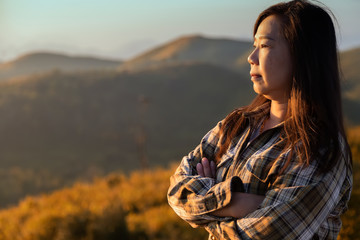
299,204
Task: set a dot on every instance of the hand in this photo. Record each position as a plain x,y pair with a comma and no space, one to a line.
206,168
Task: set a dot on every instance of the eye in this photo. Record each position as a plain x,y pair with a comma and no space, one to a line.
264,46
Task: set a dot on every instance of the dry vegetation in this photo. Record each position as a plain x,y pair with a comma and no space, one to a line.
351,219
127,207
114,207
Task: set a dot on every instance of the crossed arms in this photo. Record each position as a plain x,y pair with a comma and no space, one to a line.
298,205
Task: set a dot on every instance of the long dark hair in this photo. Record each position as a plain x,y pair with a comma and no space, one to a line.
314,116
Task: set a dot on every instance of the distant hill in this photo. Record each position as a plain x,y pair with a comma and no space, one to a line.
350,61
189,49
74,124
68,124
43,62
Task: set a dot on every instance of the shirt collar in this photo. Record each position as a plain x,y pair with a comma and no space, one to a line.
260,113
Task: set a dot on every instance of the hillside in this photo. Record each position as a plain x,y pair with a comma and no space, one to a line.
57,127
132,207
33,63
350,60
189,49
57,112
111,208
75,125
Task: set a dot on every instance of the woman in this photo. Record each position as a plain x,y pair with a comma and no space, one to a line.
281,167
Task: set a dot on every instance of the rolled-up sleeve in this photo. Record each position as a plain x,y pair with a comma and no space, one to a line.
191,196
296,206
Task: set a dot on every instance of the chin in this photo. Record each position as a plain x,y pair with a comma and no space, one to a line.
257,90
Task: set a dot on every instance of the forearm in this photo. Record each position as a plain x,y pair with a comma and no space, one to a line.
293,208
241,204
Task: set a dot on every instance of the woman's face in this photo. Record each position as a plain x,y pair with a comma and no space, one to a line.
270,61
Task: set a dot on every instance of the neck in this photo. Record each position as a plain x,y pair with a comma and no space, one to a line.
277,111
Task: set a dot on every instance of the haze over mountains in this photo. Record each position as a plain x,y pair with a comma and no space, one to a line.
40,62
94,116
231,54
192,49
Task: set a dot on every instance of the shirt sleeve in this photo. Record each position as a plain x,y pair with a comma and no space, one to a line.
191,196
295,206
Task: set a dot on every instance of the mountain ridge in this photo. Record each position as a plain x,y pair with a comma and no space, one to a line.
37,62
96,120
193,48
188,49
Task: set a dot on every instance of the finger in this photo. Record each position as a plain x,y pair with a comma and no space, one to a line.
213,168
200,169
206,167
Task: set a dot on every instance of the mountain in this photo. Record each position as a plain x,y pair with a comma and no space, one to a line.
75,124
350,60
188,49
43,62
68,125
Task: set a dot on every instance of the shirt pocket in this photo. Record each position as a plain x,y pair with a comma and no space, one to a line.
256,174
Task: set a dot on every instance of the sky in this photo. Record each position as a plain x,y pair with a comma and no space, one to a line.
122,29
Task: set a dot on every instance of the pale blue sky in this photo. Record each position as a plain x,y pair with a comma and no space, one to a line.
121,29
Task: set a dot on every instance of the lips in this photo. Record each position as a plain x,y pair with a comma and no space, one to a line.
255,75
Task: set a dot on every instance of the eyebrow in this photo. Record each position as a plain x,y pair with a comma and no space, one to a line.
265,37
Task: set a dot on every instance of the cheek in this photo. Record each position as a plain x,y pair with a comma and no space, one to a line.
277,70
270,67
285,62
286,69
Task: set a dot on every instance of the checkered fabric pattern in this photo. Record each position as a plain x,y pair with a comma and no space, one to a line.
299,204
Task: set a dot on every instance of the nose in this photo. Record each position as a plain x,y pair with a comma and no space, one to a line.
253,58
